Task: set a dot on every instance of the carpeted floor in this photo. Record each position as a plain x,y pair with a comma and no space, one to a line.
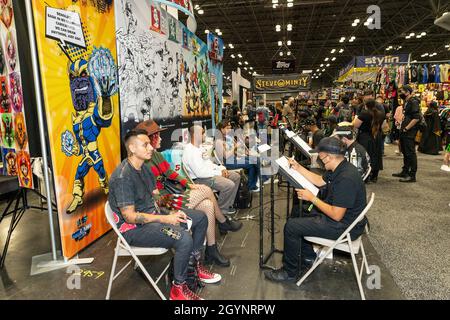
410,226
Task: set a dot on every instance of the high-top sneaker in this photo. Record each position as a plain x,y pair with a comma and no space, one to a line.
206,276
182,292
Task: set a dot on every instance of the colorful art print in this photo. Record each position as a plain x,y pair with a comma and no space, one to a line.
16,96
173,30
20,131
2,60
186,39
6,13
214,50
24,170
5,98
11,51
9,162
156,20
8,130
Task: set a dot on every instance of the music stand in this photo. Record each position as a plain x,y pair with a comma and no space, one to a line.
9,184
263,259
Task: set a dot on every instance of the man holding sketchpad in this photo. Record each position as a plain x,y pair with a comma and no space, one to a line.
344,200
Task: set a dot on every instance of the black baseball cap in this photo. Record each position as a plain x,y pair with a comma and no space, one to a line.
343,129
330,145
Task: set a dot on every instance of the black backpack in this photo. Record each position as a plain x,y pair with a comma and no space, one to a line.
244,196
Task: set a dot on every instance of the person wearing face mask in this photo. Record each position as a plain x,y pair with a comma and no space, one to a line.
344,200
408,132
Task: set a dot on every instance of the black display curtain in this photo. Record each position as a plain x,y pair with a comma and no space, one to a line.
26,72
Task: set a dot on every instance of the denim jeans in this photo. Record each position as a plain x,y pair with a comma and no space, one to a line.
313,224
150,235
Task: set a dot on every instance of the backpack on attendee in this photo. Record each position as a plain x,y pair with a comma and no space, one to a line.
261,117
244,196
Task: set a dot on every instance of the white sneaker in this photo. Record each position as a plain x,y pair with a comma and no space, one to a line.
267,181
445,168
256,190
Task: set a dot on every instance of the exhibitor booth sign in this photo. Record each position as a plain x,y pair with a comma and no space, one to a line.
282,83
283,66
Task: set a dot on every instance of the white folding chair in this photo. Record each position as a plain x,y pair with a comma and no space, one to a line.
124,249
344,243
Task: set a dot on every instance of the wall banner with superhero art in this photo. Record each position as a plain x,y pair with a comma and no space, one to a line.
13,132
215,54
77,50
163,68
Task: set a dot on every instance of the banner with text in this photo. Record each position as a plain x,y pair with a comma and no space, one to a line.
282,83
77,52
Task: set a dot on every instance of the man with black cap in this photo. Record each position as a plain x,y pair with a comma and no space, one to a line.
316,133
344,201
408,132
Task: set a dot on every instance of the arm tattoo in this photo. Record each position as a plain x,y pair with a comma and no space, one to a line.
140,218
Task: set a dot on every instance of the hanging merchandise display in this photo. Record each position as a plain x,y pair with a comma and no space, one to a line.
215,47
163,69
77,51
13,132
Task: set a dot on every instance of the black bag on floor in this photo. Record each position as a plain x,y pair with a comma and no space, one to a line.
244,196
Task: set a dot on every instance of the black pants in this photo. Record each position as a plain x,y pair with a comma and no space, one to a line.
408,148
151,235
313,224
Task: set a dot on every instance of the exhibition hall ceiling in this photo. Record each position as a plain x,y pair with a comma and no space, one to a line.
321,29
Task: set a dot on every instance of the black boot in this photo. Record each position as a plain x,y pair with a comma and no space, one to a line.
401,175
229,225
408,179
212,255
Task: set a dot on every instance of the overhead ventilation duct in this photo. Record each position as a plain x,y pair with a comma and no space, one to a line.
444,21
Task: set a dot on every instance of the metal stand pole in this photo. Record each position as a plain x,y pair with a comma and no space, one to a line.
42,261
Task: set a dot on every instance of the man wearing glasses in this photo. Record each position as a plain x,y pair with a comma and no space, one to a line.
344,200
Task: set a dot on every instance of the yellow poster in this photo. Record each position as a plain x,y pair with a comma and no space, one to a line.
77,57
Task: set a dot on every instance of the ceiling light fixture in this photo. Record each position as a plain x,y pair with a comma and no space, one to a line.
233,56
201,11
321,65
246,63
280,43
342,50
281,54
219,33
206,31
326,59
328,65
289,42
239,55
289,27
240,63
333,51
290,4
334,58
289,53
342,39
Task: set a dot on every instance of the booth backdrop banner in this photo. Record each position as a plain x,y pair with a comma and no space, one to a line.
162,75
77,50
215,54
13,133
282,83
379,61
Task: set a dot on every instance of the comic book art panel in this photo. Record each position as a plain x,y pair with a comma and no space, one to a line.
16,96
9,162
6,13
11,51
81,103
8,130
24,169
5,98
20,131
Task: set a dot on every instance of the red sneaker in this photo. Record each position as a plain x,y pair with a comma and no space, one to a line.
207,277
182,292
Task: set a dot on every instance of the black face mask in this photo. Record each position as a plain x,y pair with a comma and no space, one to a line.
320,163
403,96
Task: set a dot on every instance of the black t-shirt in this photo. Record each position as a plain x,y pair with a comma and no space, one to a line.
131,187
346,189
411,111
366,119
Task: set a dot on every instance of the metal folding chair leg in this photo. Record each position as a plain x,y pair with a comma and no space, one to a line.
355,267
315,265
113,270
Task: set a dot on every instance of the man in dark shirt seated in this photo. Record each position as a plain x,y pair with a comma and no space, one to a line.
344,201
142,224
317,134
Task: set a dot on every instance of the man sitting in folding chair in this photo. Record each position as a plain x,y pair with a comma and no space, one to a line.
345,200
142,224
